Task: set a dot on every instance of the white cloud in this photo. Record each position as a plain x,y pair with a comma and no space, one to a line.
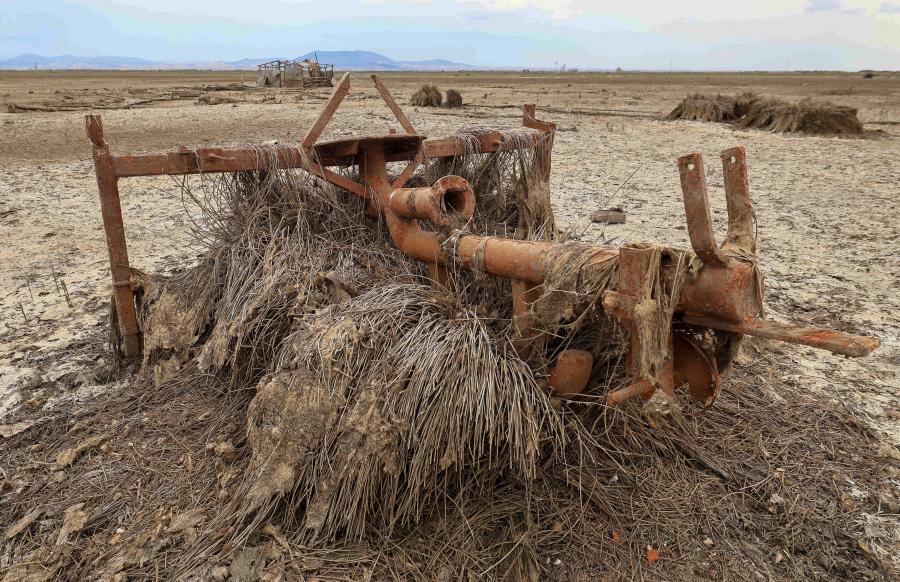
382,2
691,34
560,9
822,5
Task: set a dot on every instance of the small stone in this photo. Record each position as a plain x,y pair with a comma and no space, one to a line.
609,216
219,573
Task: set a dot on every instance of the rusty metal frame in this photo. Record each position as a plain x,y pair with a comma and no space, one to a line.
111,207
110,168
725,295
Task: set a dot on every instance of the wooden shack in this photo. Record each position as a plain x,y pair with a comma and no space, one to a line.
294,74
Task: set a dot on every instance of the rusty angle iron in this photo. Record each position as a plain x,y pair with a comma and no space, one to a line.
713,309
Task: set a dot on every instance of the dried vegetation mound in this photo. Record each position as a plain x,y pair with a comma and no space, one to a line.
427,96
749,110
454,98
309,407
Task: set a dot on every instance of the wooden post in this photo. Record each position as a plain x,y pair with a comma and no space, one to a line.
108,185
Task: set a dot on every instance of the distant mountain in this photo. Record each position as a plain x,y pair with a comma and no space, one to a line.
369,61
342,60
251,63
434,63
28,61
352,59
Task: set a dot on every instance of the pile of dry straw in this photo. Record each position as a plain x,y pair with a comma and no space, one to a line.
430,96
308,407
749,110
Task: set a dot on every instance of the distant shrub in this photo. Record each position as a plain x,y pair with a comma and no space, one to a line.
427,96
454,98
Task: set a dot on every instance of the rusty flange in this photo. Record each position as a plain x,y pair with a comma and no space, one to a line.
697,368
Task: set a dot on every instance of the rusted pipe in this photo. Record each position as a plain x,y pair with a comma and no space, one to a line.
639,388
523,296
451,195
514,259
406,233
729,293
837,342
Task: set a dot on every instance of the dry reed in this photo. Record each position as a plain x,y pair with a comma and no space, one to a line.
427,96
749,110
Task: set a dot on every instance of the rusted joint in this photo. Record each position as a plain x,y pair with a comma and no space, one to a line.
449,196
529,112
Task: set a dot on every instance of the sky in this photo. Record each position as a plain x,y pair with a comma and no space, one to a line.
652,35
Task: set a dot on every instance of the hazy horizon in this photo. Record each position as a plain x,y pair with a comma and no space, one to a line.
542,34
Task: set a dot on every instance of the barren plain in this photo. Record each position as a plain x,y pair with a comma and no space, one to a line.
828,209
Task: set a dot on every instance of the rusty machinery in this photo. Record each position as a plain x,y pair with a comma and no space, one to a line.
723,298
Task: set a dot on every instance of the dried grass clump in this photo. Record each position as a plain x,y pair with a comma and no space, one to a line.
454,98
427,96
162,473
806,116
749,110
399,397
